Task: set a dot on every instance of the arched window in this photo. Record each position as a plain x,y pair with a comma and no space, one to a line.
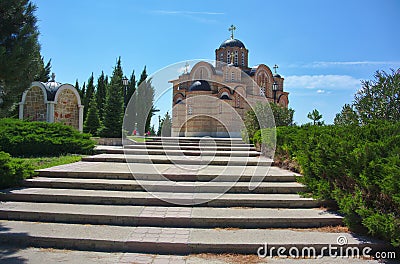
221,56
226,76
242,58
237,101
190,110
228,57
236,57
233,76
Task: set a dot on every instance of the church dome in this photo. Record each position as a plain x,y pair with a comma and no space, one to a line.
200,86
232,43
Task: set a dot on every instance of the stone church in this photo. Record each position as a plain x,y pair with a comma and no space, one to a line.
211,100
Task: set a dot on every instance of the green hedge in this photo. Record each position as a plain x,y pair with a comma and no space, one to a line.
21,138
356,166
13,171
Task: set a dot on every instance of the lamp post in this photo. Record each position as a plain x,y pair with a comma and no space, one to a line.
159,125
274,89
125,83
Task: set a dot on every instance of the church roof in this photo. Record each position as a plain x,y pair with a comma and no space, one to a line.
232,43
200,85
51,89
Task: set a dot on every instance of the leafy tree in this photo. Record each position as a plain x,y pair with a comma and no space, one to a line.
114,105
101,94
379,99
44,73
19,51
283,116
88,95
316,117
348,116
92,122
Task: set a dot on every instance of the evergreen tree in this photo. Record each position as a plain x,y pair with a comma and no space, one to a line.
19,51
166,126
44,73
101,94
315,116
92,122
347,116
131,87
77,88
114,105
83,92
88,96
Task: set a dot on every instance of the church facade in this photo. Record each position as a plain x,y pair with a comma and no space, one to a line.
211,100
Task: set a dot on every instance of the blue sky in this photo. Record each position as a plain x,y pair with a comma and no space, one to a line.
323,48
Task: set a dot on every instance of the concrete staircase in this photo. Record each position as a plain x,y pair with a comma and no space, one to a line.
176,196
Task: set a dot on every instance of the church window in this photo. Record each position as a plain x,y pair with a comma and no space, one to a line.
242,58
228,57
262,91
201,73
221,56
233,76
238,101
190,110
236,57
226,76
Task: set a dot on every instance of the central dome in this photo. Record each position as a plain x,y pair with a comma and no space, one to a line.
232,43
200,86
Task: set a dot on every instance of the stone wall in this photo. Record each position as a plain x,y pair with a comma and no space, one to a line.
66,109
34,108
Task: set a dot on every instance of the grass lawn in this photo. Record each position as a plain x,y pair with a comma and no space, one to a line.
139,139
46,162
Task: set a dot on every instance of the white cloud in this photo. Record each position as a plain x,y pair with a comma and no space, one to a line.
319,91
322,82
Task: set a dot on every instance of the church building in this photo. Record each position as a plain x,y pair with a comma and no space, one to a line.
211,100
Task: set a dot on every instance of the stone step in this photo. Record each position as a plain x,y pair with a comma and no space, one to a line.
185,160
171,240
178,153
199,217
142,171
196,139
174,147
191,144
164,186
80,196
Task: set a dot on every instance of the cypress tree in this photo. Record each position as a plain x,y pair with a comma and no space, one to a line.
101,94
88,96
131,87
114,105
92,122
77,88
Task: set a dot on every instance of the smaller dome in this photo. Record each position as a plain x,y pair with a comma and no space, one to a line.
277,75
200,85
232,43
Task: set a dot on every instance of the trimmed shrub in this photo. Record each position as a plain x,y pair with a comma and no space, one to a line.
356,166
13,171
21,138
